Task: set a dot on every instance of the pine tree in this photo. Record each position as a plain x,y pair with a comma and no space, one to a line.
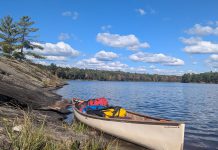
8,36
26,40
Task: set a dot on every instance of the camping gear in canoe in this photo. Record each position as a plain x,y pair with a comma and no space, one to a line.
150,132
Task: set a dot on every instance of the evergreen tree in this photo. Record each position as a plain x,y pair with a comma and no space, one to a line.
8,36
26,40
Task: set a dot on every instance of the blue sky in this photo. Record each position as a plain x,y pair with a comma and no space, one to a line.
145,36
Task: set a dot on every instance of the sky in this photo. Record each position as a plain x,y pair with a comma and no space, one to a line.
142,36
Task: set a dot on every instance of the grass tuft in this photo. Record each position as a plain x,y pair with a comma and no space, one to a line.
100,143
35,136
29,137
79,127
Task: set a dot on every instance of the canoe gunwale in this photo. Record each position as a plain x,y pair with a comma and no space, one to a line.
168,123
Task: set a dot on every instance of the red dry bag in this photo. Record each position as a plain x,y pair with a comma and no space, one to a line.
98,101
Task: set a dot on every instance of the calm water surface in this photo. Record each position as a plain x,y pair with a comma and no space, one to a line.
195,104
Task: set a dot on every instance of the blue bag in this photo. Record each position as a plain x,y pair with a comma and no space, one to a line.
93,107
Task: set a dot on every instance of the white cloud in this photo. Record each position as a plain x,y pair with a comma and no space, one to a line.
90,62
191,40
67,36
197,46
104,61
212,62
58,49
74,15
106,28
152,67
214,57
30,57
202,30
56,58
141,11
106,56
156,58
140,69
42,62
138,46
167,72
94,63
192,71
59,64
64,36
115,66
147,10
64,65
130,42
67,13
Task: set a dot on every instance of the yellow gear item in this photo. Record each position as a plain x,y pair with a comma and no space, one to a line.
121,112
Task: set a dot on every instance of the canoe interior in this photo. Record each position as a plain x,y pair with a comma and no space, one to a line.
140,117
134,117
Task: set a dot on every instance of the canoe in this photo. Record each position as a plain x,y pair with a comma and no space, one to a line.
149,132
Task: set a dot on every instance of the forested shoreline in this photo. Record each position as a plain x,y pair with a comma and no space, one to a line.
207,77
103,75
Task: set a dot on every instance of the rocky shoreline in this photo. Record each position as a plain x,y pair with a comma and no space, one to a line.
25,87
27,84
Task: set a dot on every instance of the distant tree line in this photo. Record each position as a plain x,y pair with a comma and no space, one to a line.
102,75
16,38
207,77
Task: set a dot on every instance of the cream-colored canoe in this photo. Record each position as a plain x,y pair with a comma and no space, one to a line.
150,132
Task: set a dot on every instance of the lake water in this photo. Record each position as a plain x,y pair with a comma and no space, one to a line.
195,104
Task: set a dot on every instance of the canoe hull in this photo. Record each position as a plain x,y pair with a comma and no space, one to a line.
150,135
